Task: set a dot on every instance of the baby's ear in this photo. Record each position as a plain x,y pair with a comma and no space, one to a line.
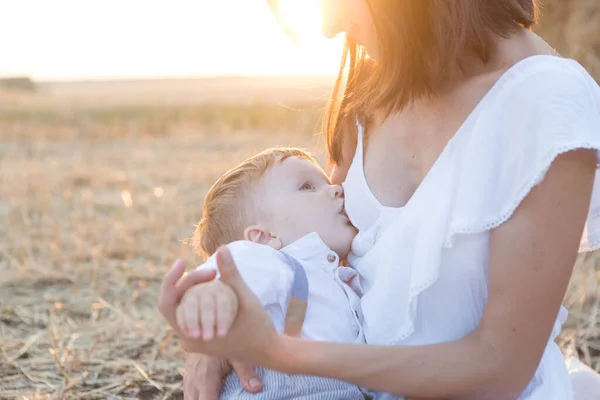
257,234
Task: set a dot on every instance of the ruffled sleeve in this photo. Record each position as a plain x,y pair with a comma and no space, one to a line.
539,109
555,108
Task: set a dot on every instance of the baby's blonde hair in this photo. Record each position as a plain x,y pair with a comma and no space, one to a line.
227,205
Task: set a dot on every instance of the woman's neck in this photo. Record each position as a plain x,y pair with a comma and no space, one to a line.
505,53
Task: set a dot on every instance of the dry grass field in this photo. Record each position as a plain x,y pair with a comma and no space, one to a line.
97,198
100,186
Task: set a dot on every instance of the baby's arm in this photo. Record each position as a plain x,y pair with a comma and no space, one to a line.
265,273
206,309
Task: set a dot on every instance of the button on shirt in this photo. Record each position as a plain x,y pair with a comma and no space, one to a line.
333,313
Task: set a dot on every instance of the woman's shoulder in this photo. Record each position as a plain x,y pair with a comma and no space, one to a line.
540,101
549,62
542,79
545,106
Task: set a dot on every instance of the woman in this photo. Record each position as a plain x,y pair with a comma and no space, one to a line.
470,178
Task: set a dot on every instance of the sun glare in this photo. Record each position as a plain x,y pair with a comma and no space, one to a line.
237,37
303,17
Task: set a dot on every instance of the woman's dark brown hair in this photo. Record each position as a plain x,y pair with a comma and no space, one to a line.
418,40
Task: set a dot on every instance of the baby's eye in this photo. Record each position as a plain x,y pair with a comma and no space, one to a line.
307,186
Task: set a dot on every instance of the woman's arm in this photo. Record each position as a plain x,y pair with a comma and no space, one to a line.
204,375
531,259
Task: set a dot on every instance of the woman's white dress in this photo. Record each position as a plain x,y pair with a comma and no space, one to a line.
424,266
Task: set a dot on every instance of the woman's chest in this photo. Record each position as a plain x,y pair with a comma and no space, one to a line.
398,154
400,150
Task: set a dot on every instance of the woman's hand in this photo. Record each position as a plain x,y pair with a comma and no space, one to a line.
237,344
174,287
206,308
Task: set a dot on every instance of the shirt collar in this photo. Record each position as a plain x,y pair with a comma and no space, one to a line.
311,248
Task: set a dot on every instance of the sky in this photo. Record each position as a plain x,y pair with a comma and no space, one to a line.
115,39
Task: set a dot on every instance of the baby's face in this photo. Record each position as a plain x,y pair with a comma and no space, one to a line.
297,198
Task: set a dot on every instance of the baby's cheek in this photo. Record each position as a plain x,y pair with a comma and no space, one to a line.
292,228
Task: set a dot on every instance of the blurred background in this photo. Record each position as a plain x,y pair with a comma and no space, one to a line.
115,118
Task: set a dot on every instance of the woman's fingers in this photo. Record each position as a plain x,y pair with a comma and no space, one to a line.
174,273
168,300
247,376
230,273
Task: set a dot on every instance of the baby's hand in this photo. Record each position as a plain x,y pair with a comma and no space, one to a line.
205,307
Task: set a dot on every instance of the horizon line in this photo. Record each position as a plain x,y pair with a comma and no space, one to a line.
102,79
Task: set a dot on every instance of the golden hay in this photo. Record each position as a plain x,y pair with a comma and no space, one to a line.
90,224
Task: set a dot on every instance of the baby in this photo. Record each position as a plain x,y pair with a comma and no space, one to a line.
284,224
